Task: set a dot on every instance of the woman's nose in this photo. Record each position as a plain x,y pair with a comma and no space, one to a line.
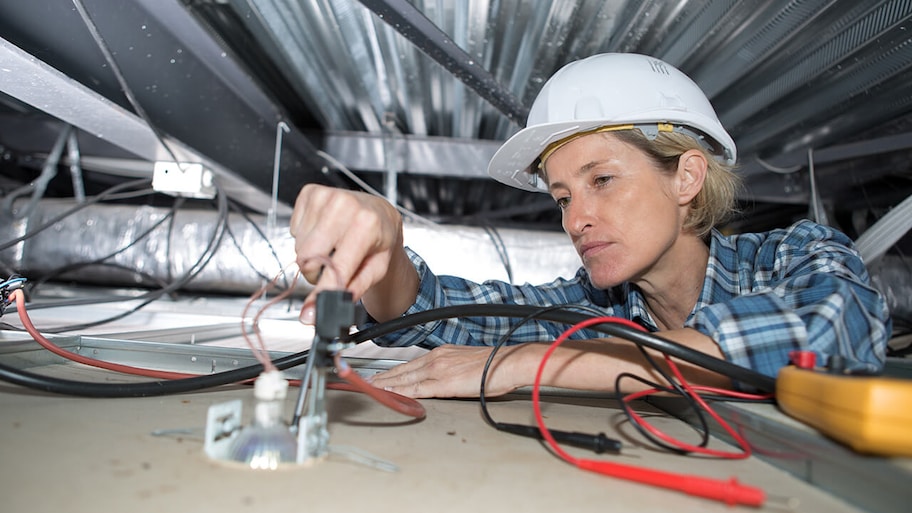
577,217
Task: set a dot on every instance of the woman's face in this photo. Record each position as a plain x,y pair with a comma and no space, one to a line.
621,211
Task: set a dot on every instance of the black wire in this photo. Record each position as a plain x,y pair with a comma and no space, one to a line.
89,201
643,431
16,376
504,339
675,388
147,298
534,432
142,389
235,207
34,284
487,366
737,373
62,329
215,241
501,249
119,76
38,187
598,443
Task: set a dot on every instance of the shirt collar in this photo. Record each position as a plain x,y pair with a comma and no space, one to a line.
638,312
721,271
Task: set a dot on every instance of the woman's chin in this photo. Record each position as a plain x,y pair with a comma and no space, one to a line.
602,280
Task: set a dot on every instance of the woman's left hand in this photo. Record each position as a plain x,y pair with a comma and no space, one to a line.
452,371
455,371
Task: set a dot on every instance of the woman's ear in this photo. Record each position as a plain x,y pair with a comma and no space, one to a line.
691,174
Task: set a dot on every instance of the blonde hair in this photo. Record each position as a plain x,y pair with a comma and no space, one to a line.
716,201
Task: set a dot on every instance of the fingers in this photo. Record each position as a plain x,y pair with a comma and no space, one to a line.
410,379
357,250
343,239
446,371
316,224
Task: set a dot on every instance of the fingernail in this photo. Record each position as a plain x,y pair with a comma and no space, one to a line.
308,315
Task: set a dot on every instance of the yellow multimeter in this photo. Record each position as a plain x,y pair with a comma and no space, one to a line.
870,414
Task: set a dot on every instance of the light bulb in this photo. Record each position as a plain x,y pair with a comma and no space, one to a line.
267,442
264,448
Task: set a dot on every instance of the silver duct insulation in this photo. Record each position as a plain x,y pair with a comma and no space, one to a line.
133,246
146,246
149,249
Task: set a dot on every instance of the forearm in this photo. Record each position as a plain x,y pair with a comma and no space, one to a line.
595,364
396,292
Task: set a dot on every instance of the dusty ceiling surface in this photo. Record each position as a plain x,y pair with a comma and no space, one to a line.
414,97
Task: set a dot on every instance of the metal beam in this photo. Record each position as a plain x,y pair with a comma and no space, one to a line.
414,26
829,155
435,156
36,83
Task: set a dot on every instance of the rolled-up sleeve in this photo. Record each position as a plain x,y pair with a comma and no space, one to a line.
439,291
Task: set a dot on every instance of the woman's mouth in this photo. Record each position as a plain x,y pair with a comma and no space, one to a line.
589,249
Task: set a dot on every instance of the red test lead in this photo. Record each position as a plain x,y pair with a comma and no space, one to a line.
730,492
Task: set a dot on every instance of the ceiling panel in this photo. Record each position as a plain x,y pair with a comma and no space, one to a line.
397,90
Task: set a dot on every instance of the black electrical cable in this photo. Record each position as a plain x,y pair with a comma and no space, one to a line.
214,242
141,389
195,269
747,376
597,443
675,388
119,76
761,382
147,298
501,249
38,186
235,207
89,201
600,442
50,275
704,439
63,329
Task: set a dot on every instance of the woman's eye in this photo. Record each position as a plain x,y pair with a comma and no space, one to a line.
601,180
562,202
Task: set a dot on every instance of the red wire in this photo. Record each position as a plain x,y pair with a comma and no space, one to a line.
396,402
730,492
259,349
392,400
732,393
59,351
699,399
692,392
745,453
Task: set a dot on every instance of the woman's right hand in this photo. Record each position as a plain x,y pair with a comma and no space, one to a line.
353,241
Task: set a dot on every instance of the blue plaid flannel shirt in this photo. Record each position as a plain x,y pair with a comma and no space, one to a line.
765,294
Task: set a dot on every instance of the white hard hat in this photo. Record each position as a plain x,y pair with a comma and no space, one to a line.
606,90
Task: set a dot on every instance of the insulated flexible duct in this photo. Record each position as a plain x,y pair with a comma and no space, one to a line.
247,256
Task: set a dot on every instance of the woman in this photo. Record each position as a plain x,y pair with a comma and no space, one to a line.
636,159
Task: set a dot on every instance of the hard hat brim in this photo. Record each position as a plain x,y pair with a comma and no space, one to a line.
511,162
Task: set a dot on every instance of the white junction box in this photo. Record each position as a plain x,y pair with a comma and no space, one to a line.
187,179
